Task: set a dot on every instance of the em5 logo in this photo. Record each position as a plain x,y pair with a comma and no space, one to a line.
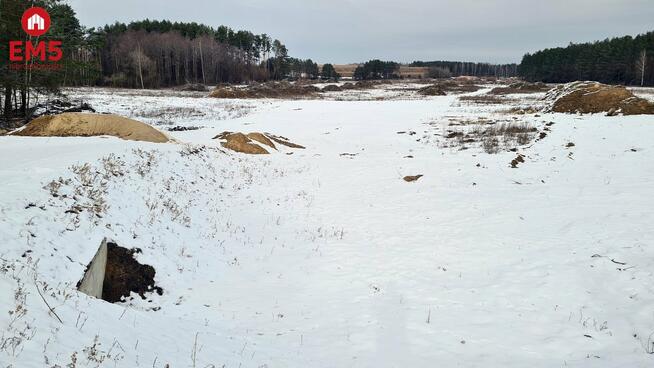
35,22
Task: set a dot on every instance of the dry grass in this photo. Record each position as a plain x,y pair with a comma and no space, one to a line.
283,141
486,100
266,90
491,137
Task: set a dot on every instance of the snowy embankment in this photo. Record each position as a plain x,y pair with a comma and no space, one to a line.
325,257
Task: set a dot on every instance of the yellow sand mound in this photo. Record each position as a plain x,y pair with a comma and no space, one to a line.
247,143
239,142
90,125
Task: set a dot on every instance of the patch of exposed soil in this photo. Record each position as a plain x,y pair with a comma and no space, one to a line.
517,161
124,275
252,143
412,178
240,142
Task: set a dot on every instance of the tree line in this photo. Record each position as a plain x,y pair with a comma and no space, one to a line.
460,68
377,69
622,60
141,54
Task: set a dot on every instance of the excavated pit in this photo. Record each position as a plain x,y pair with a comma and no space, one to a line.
114,274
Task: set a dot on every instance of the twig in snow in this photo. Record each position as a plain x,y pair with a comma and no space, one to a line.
195,349
46,302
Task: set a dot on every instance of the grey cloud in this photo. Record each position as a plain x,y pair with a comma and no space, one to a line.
343,31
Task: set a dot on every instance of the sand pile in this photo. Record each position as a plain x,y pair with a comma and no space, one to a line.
593,97
90,125
266,90
253,143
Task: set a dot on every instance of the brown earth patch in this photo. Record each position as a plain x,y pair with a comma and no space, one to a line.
239,142
412,178
247,143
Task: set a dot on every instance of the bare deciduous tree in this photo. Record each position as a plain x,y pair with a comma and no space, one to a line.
641,64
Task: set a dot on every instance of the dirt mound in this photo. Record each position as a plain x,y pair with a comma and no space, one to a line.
412,178
251,143
593,97
433,90
331,88
193,87
520,88
121,274
239,142
266,90
124,275
348,85
365,84
90,125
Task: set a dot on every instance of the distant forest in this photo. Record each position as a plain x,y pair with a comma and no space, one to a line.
153,54
624,60
459,68
144,54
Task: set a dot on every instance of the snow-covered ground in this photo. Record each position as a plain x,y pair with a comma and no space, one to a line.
325,257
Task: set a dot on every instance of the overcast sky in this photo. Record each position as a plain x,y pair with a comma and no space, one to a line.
345,31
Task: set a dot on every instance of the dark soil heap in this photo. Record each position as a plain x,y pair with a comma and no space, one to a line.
124,275
266,90
520,88
433,90
593,97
